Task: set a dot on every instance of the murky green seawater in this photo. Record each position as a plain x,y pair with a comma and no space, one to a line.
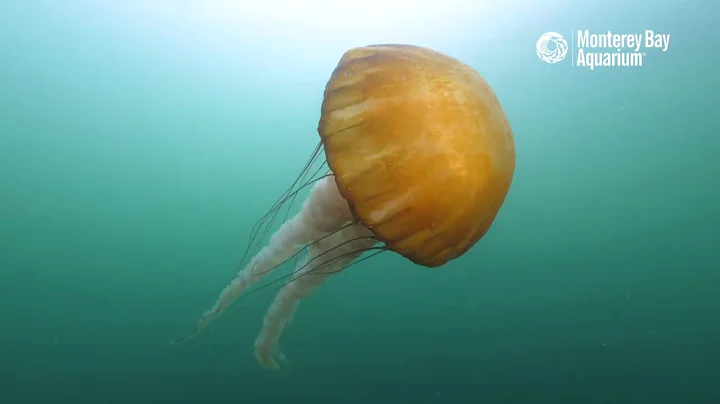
140,141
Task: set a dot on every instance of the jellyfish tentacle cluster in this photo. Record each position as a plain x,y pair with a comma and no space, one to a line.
325,227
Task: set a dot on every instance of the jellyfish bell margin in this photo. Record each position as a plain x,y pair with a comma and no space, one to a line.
420,157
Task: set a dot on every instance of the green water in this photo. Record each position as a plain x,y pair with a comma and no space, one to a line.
140,141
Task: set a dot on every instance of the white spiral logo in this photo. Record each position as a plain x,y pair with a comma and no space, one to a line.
551,47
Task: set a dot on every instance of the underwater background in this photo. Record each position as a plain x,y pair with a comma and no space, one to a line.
141,140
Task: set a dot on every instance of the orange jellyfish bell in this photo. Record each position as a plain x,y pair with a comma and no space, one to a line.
420,148
421,158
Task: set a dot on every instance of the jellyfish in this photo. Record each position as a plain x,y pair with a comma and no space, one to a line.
420,157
